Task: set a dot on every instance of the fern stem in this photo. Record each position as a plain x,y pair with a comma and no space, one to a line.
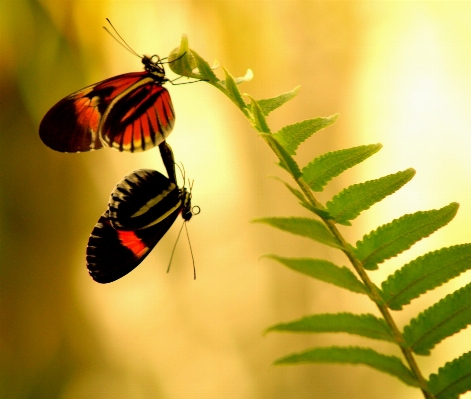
373,293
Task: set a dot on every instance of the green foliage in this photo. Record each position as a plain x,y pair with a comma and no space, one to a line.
232,91
295,192
350,202
305,227
259,118
395,237
441,320
445,318
365,325
270,104
327,166
286,161
425,273
323,270
353,355
452,379
291,136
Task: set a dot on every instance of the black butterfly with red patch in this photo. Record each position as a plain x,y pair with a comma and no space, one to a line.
142,207
129,112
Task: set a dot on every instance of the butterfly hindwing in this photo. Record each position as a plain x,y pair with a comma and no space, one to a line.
113,253
140,120
107,258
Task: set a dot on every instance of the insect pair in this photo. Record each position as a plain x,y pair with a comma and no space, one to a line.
129,112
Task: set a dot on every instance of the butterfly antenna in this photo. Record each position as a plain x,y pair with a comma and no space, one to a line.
180,169
191,250
122,42
174,247
182,172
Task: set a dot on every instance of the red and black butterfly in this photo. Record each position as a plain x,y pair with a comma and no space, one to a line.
142,207
129,112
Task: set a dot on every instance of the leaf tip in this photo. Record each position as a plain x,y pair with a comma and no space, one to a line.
269,256
333,117
267,330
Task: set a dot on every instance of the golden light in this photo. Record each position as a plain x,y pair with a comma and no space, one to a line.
397,72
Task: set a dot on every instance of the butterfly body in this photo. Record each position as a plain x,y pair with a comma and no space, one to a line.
142,208
129,112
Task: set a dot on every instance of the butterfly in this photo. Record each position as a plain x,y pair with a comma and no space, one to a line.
129,112
141,209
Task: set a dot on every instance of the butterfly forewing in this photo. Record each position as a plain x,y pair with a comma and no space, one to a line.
142,199
130,112
72,124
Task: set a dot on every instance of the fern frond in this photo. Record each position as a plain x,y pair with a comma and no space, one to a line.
353,355
395,237
309,228
327,166
434,324
453,379
323,270
425,273
443,319
365,325
270,104
291,136
350,202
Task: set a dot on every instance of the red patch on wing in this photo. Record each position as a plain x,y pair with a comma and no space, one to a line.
132,242
87,113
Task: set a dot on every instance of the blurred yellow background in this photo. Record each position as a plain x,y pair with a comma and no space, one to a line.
399,73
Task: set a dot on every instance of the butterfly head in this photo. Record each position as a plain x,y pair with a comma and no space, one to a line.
154,66
186,209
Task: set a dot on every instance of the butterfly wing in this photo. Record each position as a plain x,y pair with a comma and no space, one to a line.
139,119
111,253
142,199
142,207
130,112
